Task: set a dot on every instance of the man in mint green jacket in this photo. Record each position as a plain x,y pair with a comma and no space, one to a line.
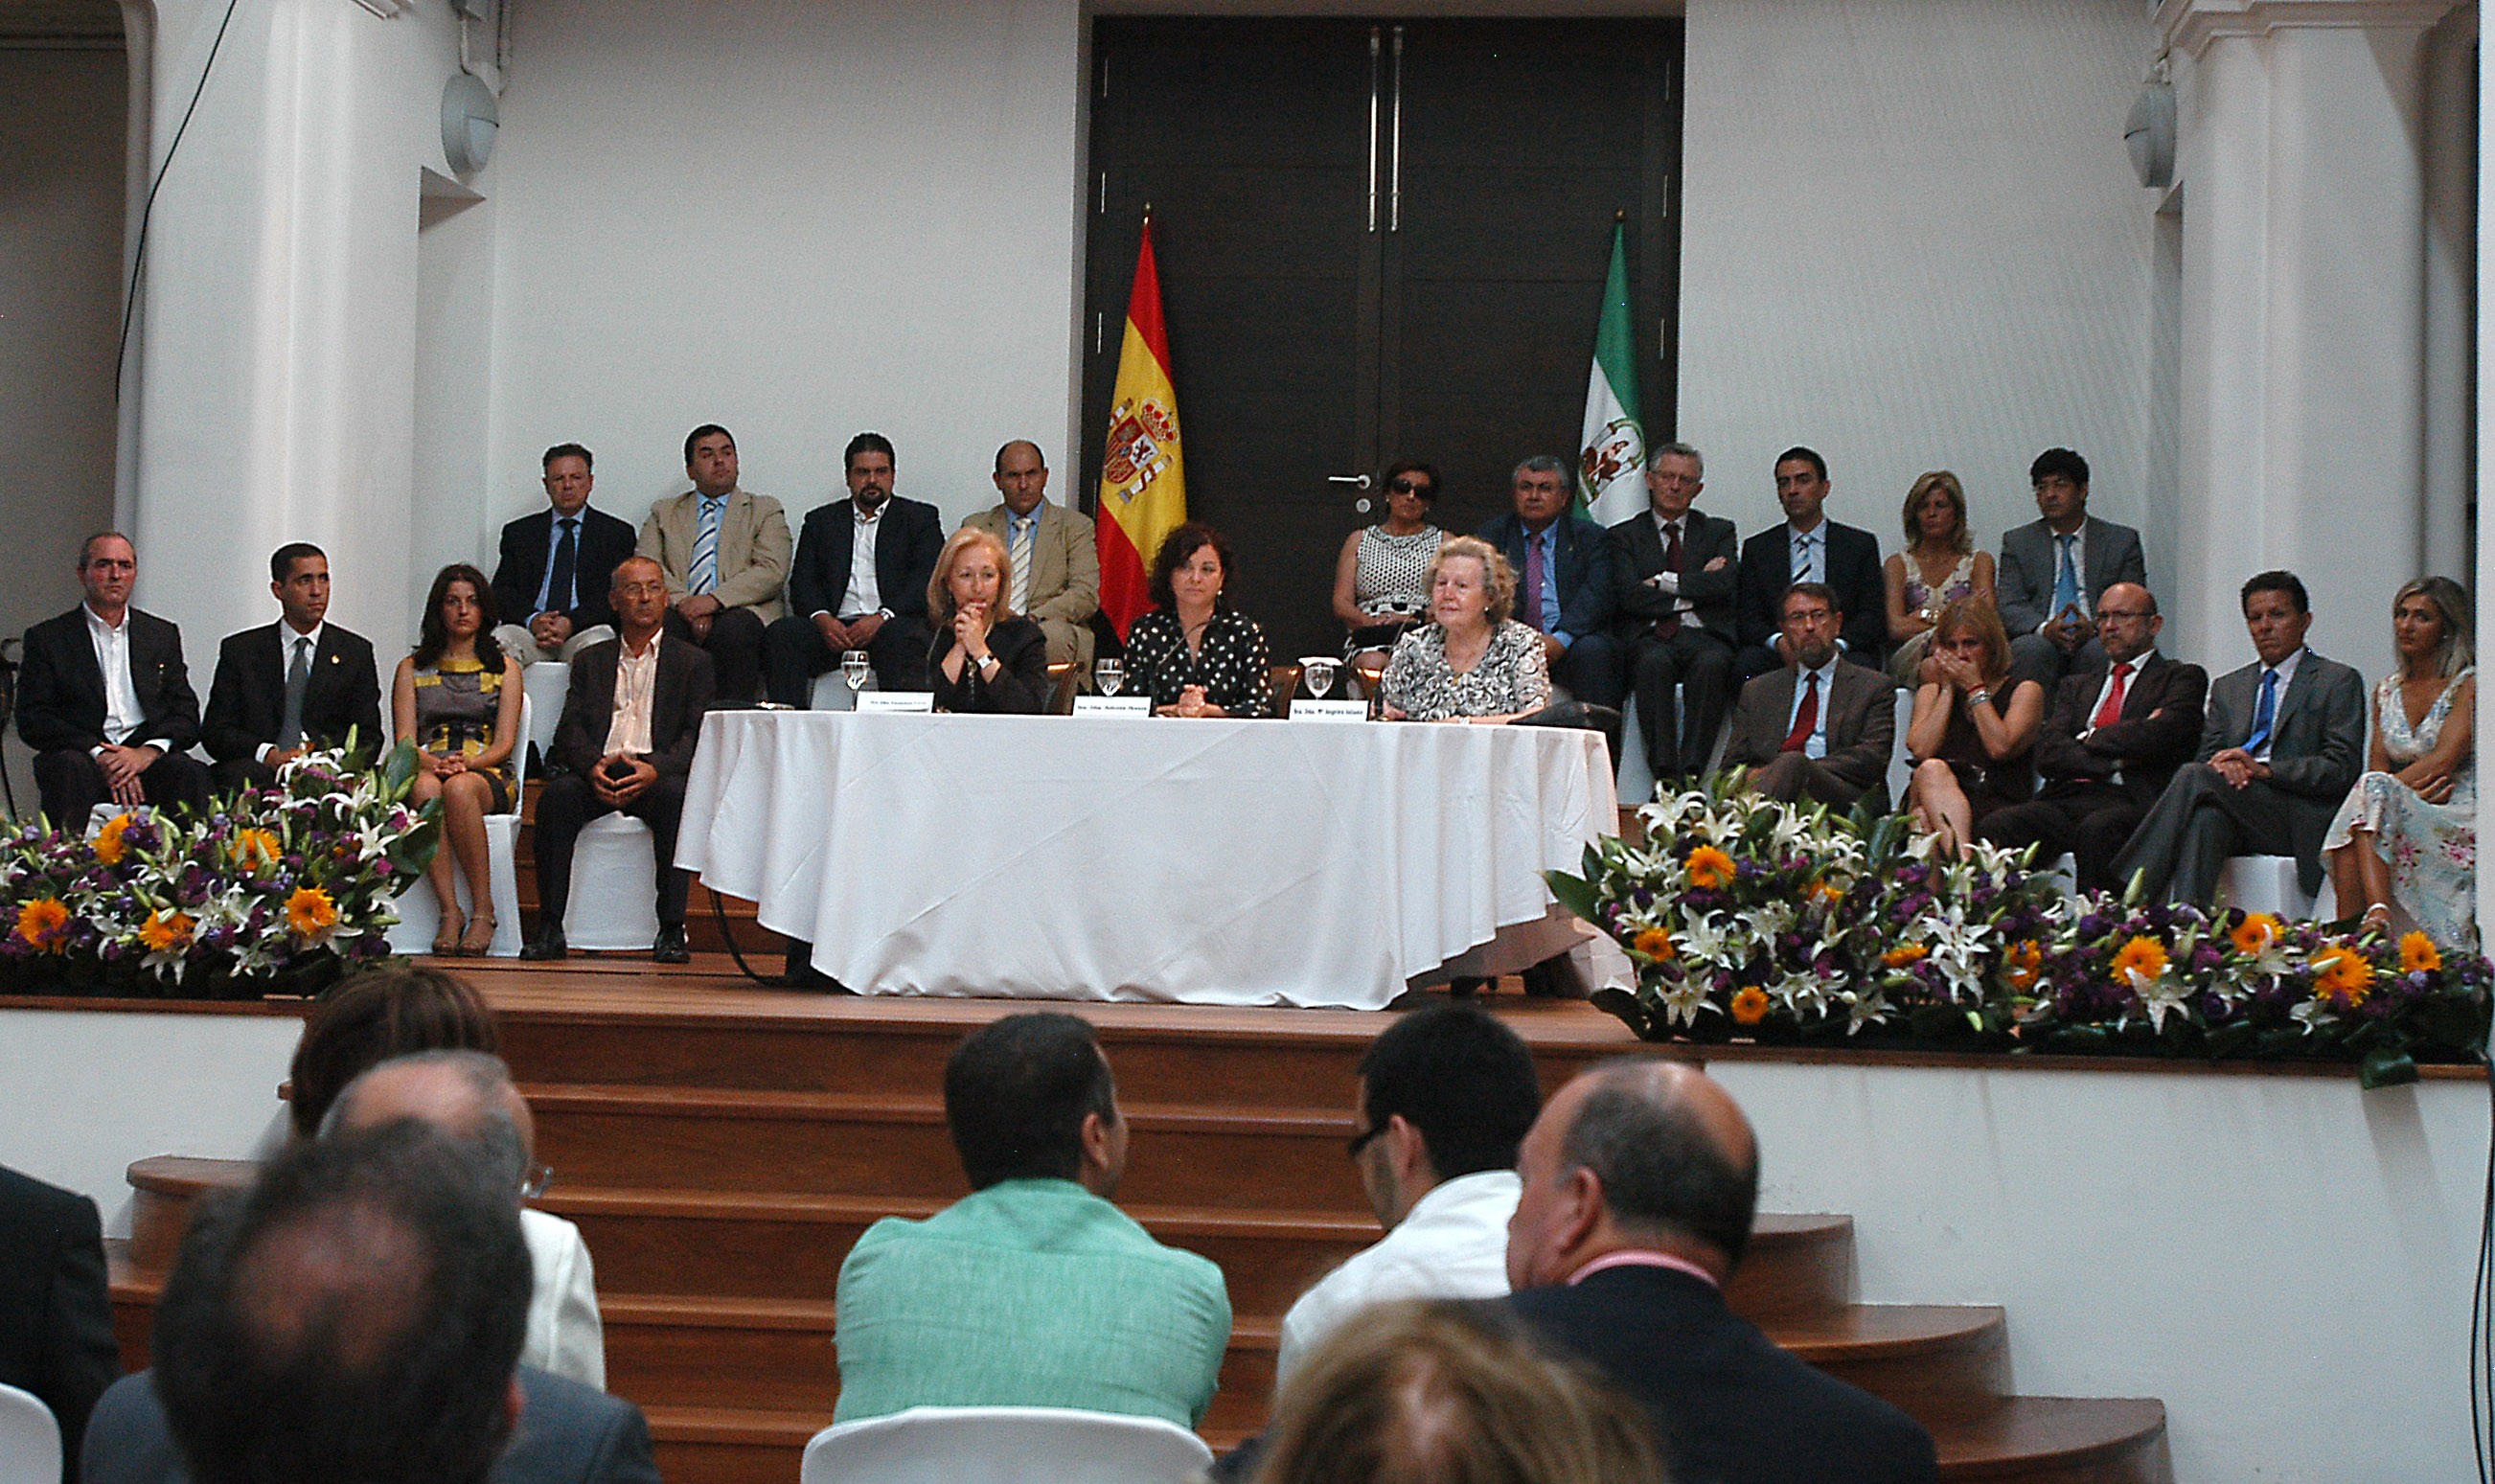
1033,1290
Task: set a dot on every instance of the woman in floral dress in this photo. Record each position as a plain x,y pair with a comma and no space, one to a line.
2405,844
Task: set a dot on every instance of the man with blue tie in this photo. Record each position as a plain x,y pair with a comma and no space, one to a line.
556,565
725,553
1563,588
1808,547
2053,570
2281,746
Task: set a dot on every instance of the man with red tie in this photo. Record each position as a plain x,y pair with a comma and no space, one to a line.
1673,568
1821,726
2113,740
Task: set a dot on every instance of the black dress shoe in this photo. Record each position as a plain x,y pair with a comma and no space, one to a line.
547,946
671,948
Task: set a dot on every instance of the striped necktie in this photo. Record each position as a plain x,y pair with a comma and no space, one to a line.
1025,528
703,575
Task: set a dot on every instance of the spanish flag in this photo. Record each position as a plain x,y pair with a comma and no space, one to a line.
1143,479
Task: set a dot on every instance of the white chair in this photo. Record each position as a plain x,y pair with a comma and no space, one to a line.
2267,883
545,684
30,1441
2065,869
1003,1445
1901,768
1636,776
418,914
614,885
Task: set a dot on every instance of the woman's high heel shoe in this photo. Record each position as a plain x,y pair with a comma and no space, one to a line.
479,935
446,936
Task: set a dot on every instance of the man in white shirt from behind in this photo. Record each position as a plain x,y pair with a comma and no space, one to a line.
1446,1095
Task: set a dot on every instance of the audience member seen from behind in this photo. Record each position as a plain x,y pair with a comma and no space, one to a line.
1052,555
459,699
986,656
725,553
1446,1094
1439,1392
1563,573
1674,570
1820,727
2054,570
1972,728
632,715
556,565
1641,1182
105,701
2404,845
288,688
2108,745
859,583
1381,580
56,1338
1938,566
1033,1290
1472,662
1807,546
2281,743
1194,653
407,1008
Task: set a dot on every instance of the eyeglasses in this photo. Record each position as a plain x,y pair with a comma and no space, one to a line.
534,1184
1360,1141
1406,485
2115,616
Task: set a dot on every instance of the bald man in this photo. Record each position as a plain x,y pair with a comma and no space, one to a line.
1056,576
1640,1180
469,1095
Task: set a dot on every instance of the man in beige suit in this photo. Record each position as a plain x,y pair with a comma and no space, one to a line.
1820,726
725,554
1056,567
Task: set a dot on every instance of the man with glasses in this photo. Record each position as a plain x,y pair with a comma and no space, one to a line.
1563,578
2054,572
1673,569
2110,742
1821,726
104,700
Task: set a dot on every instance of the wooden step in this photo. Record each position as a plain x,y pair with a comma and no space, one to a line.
2056,1441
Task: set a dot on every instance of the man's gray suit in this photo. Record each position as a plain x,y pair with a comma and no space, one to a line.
568,1433
1861,735
2317,749
1065,577
2022,590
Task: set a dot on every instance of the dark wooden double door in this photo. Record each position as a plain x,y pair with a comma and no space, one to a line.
1377,241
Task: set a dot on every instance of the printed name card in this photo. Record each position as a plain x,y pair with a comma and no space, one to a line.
1113,705
889,702
1314,710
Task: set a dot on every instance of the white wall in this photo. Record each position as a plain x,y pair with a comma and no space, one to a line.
1912,241
60,313
795,219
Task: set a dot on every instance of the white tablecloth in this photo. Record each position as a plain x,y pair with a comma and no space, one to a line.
1208,862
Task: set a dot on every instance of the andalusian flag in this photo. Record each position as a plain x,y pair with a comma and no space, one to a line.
1143,479
1611,456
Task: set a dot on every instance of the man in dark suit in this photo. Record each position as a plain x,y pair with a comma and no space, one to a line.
1674,570
1809,547
55,1314
105,701
557,563
1543,537
411,1254
1821,726
290,686
624,744
840,602
2279,748
1641,1182
2109,745
2054,571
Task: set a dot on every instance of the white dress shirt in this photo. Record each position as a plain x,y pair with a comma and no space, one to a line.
2285,677
111,641
564,1335
286,637
1452,1243
1817,745
863,596
2139,662
636,680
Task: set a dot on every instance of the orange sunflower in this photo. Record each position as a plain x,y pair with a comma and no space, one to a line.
310,913
165,932
2021,965
2418,953
1710,869
1905,955
1655,943
44,924
2255,934
2143,956
2342,976
108,846
1750,1004
253,848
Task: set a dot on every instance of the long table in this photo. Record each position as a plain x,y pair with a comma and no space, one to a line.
1207,861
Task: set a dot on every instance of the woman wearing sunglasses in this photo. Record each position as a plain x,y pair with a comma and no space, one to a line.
1381,581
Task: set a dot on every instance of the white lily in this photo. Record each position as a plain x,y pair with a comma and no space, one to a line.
2160,996
1706,942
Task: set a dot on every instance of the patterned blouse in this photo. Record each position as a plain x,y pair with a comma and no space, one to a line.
1234,664
1391,575
1514,675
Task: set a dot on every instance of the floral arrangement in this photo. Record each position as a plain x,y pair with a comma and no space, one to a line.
281,890
1784,923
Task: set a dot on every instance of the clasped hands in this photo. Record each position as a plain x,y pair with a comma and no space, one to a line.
551,630
2430,781
619,778
2067,631
122,767
857,634
1191,702
2238,768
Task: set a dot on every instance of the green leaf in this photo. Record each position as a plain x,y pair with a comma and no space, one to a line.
1575,893
1623,1004
2386,1066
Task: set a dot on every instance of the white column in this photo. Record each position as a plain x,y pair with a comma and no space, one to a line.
2450,290
2304,379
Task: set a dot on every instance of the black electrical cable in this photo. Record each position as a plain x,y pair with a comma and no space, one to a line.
727,935
139,257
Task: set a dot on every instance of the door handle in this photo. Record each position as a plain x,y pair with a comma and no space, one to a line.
1372,127
1355,480
1395,158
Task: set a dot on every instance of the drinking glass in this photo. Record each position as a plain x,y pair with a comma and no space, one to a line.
1320,670
853,670
1109,675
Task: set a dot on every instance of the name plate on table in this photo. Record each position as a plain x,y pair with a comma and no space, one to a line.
871,702
1314,710
1113,705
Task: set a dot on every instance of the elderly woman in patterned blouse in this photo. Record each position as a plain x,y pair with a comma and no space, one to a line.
1471,662
1194,653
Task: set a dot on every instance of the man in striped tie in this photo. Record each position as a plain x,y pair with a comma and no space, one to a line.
725,553
1055,576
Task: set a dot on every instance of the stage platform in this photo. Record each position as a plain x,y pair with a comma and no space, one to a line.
2008,1249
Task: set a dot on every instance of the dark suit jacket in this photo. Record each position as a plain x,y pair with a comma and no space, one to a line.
605,543
2022,582
1637,554
568,1435
2161,722
1731,1407
1021,648
56,1312
2316,744
1583,551
684,688
1861,724
247,698
909,537
60,688
1852,570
